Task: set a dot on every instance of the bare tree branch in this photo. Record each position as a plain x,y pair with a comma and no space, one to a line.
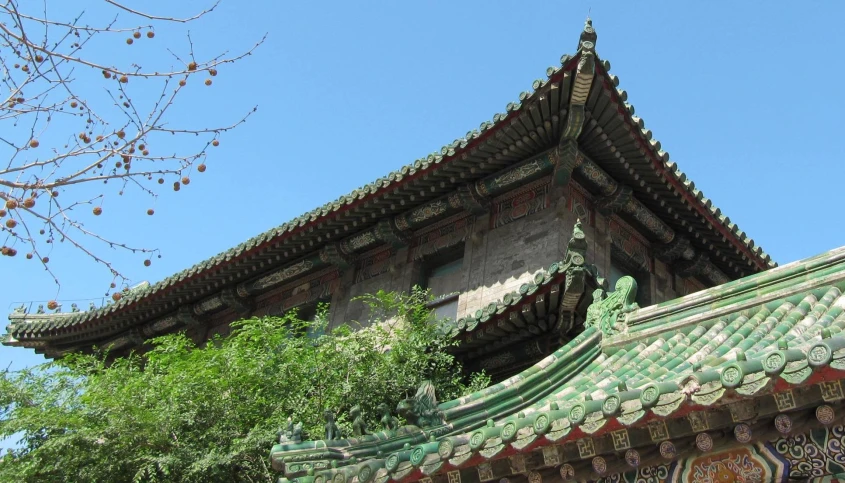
69,121
168,19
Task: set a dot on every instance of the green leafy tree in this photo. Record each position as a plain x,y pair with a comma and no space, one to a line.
186,413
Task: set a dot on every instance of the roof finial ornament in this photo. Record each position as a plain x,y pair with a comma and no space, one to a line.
578,242
587,41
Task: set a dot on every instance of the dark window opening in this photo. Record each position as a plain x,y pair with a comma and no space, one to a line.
314,312
443,275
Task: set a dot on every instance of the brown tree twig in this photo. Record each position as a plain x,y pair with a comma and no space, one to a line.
45,72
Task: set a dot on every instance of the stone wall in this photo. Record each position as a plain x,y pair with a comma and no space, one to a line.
500,258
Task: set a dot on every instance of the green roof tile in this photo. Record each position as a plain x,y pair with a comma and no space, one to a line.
672,357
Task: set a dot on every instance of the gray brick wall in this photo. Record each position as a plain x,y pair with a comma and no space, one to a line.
498,260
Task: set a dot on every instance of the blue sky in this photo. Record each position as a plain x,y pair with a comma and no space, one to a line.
744,95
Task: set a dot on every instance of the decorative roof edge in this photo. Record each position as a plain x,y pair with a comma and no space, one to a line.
711,303
720,386
678,179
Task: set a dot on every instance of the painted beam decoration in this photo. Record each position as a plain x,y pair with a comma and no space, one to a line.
519,175
630,245
527,200
275,278
620,198
373,264
315,287
580,202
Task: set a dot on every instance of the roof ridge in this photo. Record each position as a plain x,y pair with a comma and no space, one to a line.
711,303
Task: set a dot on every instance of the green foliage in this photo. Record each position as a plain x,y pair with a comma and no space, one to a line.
182,413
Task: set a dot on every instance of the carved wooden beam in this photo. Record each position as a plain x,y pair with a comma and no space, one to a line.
160,326
503,181
620,198
332,254
208,305
470,199
289,272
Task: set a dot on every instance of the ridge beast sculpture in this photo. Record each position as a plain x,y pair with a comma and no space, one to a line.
607,312
359,426
388,421
421,410
332,431
291,434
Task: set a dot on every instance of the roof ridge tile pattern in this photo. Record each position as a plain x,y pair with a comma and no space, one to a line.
582,391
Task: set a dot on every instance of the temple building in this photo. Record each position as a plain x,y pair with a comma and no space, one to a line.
633,331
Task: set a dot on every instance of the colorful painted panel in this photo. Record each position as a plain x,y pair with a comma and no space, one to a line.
314,288
742,464
801,457
444,234
374,264
519,203
817,453
651,474
745,464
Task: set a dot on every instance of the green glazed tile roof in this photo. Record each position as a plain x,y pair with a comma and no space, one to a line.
541,283
768,333
497,134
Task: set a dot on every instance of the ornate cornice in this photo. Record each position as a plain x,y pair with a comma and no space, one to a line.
332,254
620,199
